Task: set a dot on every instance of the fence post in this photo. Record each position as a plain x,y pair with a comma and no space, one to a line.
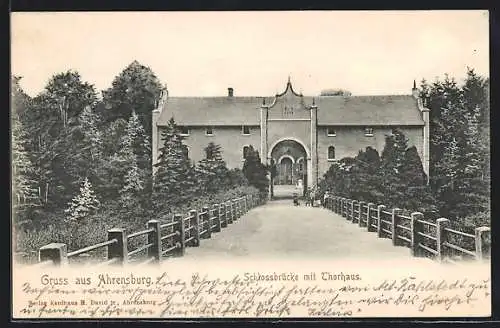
218,223
360,216
119,249
352,210
369,219
207,222
222,215
180,241
246,203
336,204
55,252
441,237
229,207
154,238
483,242
195,230
416,227
380,208
395,222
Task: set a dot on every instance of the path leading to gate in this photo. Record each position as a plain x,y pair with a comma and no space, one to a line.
281,230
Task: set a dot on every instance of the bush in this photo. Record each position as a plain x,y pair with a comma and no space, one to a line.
94,229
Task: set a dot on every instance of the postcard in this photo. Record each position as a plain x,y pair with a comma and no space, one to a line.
248,165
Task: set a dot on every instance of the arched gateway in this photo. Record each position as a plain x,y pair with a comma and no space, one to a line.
290,173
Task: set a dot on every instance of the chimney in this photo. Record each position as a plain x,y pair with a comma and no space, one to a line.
414,90
230,92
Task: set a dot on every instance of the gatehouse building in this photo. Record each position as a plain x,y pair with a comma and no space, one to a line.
302,135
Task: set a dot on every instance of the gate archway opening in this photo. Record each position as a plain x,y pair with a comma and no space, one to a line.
289,158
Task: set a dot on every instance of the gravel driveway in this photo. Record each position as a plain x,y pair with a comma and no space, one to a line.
281,230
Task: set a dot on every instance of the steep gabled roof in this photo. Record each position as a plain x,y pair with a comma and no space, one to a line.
368,110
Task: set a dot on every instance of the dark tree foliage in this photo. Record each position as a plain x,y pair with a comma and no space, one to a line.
396,179
215,172
255,171
460,156
173,180
137,89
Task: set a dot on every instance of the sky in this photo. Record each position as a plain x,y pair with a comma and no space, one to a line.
204,53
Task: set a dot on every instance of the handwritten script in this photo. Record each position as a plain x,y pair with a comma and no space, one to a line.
246,294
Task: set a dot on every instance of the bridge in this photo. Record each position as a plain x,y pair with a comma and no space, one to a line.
250,227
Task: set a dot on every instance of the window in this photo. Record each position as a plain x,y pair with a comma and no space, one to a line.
209,131
245,130
330,131
368,132
246,149
184,130
331,153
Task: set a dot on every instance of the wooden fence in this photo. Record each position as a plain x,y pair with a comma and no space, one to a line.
424,238
163,239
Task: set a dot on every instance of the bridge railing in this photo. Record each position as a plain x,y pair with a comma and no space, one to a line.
168,239
424,237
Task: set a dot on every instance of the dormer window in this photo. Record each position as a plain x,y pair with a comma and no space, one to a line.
184,130
368,132
209,131
330,131
245,130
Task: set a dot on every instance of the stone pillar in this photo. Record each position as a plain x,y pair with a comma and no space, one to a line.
314,145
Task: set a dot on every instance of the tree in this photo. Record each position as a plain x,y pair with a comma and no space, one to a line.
418,196
214,172
392,166
367,182
255,171
173,179
24,193
51,121
83,204
19,99
460,145
70,95
137,89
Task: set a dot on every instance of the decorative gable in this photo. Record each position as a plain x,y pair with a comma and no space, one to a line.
288,105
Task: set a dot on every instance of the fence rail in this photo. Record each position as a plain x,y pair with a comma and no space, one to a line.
178,234
423,237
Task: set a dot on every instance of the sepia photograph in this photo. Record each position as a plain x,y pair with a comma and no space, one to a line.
281,164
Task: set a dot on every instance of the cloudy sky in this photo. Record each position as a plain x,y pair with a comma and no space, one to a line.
203,53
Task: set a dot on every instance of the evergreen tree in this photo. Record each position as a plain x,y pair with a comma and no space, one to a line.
367,182
392,166
214,170
173,180
418,196
255,171
83,204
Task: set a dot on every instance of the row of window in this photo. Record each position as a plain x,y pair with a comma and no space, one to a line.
331,152
330,131
245,130
209,130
